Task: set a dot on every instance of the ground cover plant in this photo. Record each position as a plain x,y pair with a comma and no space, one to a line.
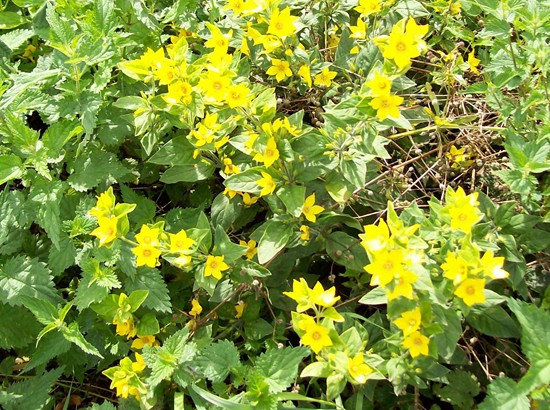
271,204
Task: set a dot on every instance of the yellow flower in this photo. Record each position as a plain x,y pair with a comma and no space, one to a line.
310,210
230,193
106,231
267,184
401,47
375,237
239,309
147,255
358,369
196,308
281,23
180,243
249,200
325,77
125,327
139,365
409,321
386,106
367,7
463,217
179,92
402,285
105,204
316,337
237,95
301,294
214,266
471,291
380,85
417,343
148,236
215,85
270,155
322,297
252,249
305,72
219,41
492,267
280,69
455,268
148,340
384,268
359,31
416,31
473,62
167,71
304,233
152,59
229,167
458,157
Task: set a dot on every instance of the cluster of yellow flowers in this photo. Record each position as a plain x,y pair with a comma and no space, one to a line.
125,377
318,331
112,218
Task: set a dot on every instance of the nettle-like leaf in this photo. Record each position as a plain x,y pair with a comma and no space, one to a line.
216,361
39,386
45,199
164,360
12,333
152,280
279,367
21,276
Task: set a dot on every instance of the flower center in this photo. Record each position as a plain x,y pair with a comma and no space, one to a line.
400,46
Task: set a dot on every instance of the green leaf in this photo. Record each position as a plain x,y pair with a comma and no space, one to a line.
346,251
447,340
338,188
104,16
11,167
188,172
377,296
317,369
148,325
224,211
502,395
145,208
136,298
40,387
9,19
535,329
16,38
44,311
51,346
177,151
218,401
293,197
62,258
46,199
460,391
216,360
274,238
245,181
493,321
279,367
73,335
152,280
223,246
22,276
14,335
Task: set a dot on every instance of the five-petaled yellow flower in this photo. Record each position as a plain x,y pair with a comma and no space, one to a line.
417,343
196,308
214,266
310,210
358,369
471,291
180,243
325,77
316,336
252,248
147,255
281,23
280,69
386,106
270,155
376,237
267,184
380,85
409,321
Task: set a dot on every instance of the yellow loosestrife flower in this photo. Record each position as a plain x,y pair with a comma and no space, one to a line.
305,72
196,308
107,231
367,7
237,95
386,106
180,243
409,321
492,267
280,69
375,237
304,233
455,268
358,369
219,41
322,297
464,217
249,200
301,294
281,23
148,340
214,266
179,92
146,255
239,309
417,343
359,31
380,85
316,336
471,291
252,248
270,155
325,77
267,184
215,86
384,268
402,285
310,210
148,236
473,62
105,204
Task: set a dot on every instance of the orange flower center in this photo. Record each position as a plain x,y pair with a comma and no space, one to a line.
400,46
147,252
316,335
470,290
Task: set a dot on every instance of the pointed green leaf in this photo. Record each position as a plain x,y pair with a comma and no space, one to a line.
73,335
